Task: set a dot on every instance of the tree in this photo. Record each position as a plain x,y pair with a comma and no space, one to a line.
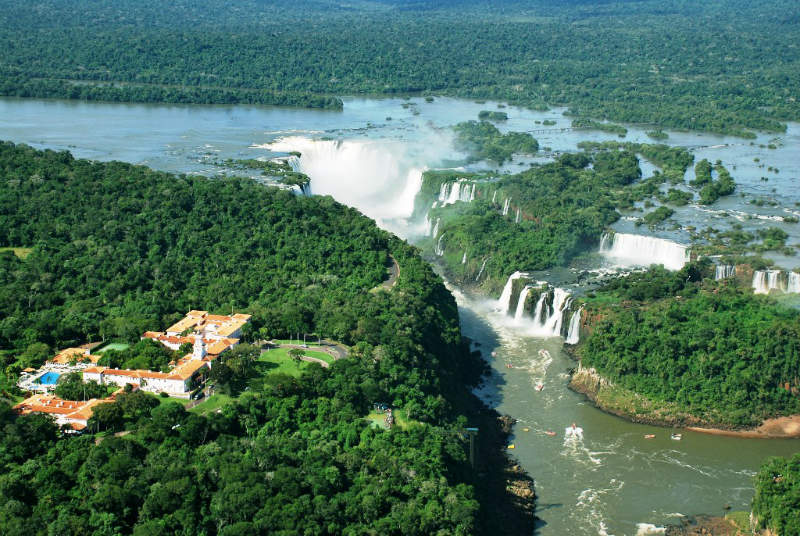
107,416
71,387
296,354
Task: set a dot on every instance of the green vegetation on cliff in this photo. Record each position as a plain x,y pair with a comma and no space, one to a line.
723,65
118,249
712,349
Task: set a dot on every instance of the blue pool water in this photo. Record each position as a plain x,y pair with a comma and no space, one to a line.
49,378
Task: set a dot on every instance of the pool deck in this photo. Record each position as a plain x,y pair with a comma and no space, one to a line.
28,381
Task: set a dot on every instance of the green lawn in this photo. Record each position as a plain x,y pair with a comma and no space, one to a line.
118,346
212,404
278,361
19,252
281,355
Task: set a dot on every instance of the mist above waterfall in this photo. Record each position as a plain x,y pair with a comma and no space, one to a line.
380,178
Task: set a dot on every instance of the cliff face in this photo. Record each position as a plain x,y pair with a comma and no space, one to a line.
623,402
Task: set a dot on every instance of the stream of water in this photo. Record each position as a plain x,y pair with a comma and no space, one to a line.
371,156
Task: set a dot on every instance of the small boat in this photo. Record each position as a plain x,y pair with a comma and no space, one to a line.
512,447
539,386
509,365
675,437
526,429
550,433
649,436
494,354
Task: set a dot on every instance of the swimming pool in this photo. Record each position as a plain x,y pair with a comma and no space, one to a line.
48,378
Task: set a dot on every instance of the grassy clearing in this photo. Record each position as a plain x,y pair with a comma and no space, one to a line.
401,419
19,252
278,361
118,346
212,404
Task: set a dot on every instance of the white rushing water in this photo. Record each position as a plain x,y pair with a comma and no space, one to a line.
506,204
378,177
504,303
480,272
439,248
794,283
574,332
523,296
724,271
765,281
639,250
460,190
548,319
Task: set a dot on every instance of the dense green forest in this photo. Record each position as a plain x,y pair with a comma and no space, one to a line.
544,216
118,249
722,65
711,349
777,501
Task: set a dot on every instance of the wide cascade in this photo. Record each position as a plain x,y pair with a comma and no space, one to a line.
460,190
765,281
375,176
548,316
639,250
724,271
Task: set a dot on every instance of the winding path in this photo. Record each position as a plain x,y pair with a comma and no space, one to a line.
394,273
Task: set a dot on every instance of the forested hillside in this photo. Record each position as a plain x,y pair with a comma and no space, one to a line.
116,249
710,350
724,65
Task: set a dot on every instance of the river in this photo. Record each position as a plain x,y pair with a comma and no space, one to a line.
371,156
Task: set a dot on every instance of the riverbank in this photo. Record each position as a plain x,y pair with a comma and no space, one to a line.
634,407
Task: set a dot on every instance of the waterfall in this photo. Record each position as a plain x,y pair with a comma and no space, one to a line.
504,302
793,284
480,272
436,228
523,296
494,196
640,250
574,332
378,177
548,320
766,280
464,258
516,218
724,271
452,192
506,204
439,249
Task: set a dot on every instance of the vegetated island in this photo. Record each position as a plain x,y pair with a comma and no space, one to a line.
644,64
115,250
481,224
681,349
